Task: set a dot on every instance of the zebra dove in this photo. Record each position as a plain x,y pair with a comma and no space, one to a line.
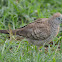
41,31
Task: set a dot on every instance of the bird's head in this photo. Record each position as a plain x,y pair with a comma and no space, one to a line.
58,17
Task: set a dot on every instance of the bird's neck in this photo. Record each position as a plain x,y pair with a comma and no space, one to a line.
54,27
54,23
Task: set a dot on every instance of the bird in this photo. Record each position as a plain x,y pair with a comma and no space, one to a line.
41,31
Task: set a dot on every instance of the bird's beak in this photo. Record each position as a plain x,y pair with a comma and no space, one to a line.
61,18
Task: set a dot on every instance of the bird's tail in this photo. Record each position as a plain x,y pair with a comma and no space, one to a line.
8,31
14,32
20,31
4,31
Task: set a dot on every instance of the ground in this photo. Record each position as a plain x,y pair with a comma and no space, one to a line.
17,13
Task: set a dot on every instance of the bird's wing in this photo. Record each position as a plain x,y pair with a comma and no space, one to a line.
39,29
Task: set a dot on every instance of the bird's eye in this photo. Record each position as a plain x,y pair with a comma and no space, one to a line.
58,18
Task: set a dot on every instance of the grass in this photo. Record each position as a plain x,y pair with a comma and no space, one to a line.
18,13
